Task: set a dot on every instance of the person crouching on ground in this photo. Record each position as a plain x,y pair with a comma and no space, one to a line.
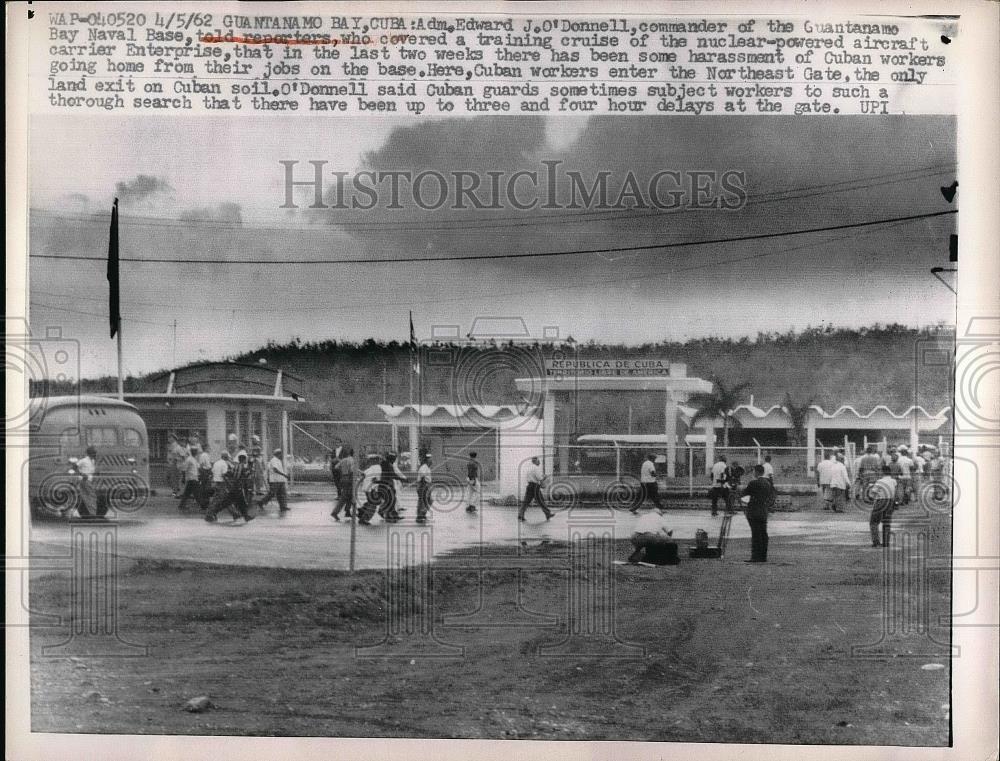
760,491
651,530
277,483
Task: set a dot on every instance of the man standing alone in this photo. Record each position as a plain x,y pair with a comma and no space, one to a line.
475,484
760,491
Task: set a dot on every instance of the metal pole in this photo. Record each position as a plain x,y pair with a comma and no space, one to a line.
121,381
690,471
354,513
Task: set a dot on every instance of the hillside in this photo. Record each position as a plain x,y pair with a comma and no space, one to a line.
831,366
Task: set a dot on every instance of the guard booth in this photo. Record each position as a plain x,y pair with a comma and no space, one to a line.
568,381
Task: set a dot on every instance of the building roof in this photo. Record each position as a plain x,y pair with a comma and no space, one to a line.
223,380
70,400
456,411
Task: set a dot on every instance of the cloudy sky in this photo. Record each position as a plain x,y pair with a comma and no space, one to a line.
211,188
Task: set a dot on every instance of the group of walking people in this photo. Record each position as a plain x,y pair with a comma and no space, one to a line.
377,484
238,481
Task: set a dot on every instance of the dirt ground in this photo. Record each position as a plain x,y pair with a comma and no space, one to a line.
705,651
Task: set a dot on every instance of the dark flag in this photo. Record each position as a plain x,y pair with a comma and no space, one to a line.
413,346
114,309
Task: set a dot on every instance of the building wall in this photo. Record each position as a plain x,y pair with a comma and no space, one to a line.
209,420
517,447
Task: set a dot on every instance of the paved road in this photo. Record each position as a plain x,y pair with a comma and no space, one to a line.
309,538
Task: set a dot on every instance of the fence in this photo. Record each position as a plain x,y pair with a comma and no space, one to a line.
311,442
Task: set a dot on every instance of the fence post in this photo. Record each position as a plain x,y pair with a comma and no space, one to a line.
690,471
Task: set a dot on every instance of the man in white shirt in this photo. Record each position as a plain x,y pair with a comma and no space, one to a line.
371,474
647,481
768,468
277,483
720,480
884,493
823,479
176,455
86,468
424,488
533,492
905,465
192,483
220,469
840,483
650,530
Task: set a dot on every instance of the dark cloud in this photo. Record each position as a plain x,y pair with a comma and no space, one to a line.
223,212
140,188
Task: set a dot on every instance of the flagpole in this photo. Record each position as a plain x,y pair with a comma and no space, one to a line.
121,382
114,295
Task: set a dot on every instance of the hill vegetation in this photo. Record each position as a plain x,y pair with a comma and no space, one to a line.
831,366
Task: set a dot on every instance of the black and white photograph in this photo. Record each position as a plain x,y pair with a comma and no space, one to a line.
646,409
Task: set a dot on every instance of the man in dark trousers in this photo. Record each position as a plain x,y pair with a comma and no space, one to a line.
735,476
237,492
346,476
647,480
533,492
760,492
475,488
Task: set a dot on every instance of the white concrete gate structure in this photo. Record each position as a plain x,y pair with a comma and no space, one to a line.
563,382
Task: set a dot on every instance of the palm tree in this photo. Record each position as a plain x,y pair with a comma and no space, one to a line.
720,402
797,416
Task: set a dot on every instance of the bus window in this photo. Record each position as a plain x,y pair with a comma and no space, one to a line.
69,442
102,437
131,438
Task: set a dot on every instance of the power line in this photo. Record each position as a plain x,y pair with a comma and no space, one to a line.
528,255
496,222
647,274
95,314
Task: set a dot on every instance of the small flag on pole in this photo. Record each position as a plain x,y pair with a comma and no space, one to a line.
413,346
114,307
